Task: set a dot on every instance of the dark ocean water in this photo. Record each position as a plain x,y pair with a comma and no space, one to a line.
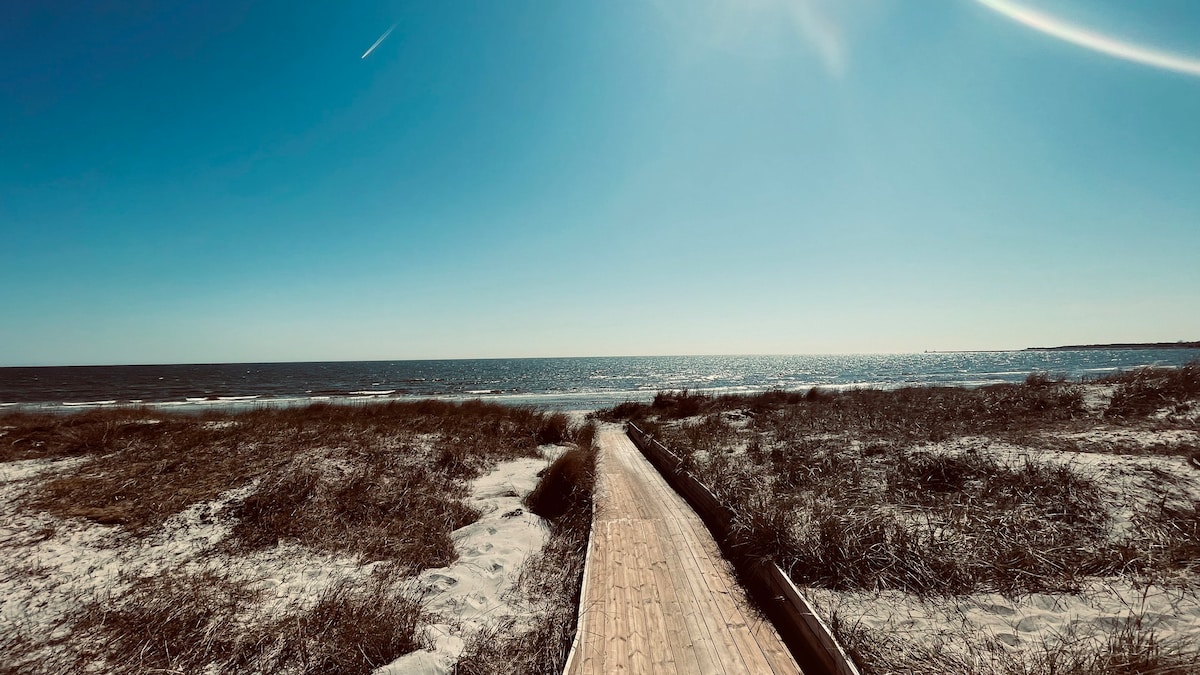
567,383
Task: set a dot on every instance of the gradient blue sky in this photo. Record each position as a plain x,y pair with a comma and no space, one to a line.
208,182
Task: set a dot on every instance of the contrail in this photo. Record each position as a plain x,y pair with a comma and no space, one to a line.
1089,39
378,42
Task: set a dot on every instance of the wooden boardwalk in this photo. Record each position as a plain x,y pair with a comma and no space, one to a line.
657,596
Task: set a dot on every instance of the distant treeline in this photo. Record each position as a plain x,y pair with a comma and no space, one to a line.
1133,345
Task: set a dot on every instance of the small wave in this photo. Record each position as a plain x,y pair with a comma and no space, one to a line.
74,404
484,391
237,398
373,392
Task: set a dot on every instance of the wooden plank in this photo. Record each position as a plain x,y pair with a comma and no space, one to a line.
616,650
671,655
635,598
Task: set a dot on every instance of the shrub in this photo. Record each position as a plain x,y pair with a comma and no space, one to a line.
554,429
567,484
1146,390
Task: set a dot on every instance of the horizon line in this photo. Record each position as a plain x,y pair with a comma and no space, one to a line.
1077,347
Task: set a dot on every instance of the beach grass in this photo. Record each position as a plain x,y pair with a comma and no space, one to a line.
367,495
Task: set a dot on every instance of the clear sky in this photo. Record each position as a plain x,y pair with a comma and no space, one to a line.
233,181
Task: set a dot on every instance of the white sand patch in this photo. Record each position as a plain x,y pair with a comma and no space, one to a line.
290,578
1116,439
578,418
24,469
473,593
1097,397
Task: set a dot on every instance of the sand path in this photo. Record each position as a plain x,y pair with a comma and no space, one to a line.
658,597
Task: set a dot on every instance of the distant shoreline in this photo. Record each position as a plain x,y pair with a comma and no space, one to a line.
1129,345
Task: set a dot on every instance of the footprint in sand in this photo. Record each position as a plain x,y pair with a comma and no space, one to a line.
1002,610
1029,624
443,580
1009,639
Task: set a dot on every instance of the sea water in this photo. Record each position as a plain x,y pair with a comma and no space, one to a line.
563,383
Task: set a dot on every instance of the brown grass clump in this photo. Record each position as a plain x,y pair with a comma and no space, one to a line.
180,622
383,509
908,414
33,436
923,523
554,429
566,484
351,630
170,622
1147,390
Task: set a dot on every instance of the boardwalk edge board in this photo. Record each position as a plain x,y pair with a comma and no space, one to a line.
806,635
581,613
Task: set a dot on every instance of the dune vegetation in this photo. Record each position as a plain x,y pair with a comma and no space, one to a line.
280,540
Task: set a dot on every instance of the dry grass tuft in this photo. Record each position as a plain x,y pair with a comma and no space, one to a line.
1146,390
171,622
350,631
565,485
383,464
181,622
384,508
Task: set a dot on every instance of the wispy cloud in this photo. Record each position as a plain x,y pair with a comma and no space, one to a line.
763,26
1089,39
821,33
378,42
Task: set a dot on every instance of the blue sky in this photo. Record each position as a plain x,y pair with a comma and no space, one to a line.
210,182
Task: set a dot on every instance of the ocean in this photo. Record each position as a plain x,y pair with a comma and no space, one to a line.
561,383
